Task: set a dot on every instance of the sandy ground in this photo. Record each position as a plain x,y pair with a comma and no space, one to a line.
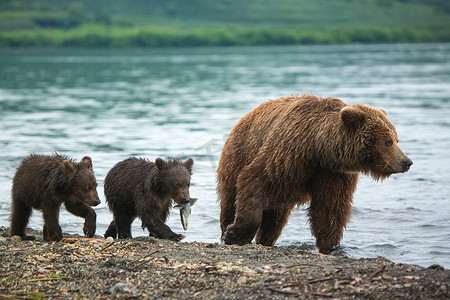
146,267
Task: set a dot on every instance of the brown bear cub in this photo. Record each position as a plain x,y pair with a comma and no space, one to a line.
137,187
44,182
299,150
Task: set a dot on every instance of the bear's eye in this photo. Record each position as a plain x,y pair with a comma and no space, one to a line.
88,188
389,143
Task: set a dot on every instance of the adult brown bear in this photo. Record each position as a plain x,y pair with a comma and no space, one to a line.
299,150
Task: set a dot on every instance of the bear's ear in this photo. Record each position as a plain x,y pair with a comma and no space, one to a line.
160,163
383,111
69,167
352,117
87,161
188,164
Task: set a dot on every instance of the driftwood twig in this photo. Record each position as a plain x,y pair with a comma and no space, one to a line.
321,280
309,265
281,291
371,276
145,257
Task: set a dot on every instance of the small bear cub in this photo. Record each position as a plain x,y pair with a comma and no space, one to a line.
44,182
140,188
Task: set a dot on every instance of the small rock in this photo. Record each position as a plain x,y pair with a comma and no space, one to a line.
259,270
242,280
109,239
16,238
436,267
108,263
122,288
2,239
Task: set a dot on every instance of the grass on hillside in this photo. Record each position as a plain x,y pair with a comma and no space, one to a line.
103,36
152,23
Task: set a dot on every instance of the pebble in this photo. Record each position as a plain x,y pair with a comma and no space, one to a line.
242,280
16,238
108,263
122,288
109,239
2,239
259,270
437,267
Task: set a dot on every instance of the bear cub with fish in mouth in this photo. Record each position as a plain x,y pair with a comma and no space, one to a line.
137,187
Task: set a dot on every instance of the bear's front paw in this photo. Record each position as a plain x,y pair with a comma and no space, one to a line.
28,238
177,237
326,247
89,230
53,236
232,237
52,233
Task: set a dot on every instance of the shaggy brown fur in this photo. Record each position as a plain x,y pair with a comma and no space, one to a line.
137,187
45,182
300,150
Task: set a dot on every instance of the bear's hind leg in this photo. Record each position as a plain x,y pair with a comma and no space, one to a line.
52,230
249,208
112,230
273,222
226,190
123,223
331,207
246,223
19,219
227,211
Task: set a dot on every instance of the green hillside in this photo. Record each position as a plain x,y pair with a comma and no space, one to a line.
153,23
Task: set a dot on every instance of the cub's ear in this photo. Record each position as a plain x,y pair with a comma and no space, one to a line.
69,167
188,164
160,163
383,111
87,161
352,117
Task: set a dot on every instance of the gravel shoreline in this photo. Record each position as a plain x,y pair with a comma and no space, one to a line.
146,267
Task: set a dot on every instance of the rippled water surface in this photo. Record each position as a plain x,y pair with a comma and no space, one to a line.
111,104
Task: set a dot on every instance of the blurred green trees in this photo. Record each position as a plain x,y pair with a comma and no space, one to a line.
155,23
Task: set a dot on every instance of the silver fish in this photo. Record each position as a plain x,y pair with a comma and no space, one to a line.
185,212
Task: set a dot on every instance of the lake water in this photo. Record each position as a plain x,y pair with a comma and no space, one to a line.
111,104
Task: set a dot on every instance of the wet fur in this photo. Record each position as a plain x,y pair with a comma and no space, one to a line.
44,182
137,187
300,150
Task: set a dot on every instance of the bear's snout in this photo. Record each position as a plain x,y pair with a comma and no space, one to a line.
401,166
183,201
407,163
96,202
